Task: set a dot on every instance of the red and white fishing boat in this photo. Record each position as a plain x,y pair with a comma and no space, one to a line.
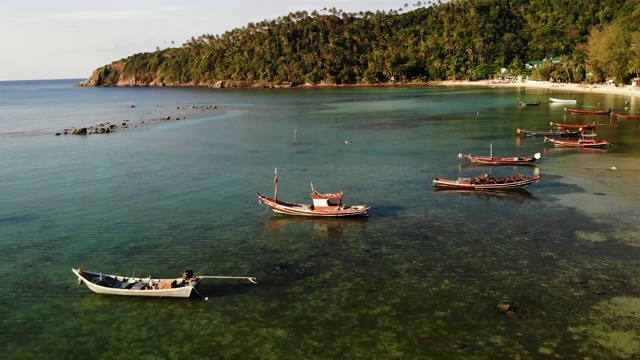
582,143
486,182
588,112
500,160
580,127
323,205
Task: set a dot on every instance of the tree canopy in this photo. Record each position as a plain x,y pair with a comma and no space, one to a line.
460,39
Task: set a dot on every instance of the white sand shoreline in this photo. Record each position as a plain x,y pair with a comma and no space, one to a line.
626,90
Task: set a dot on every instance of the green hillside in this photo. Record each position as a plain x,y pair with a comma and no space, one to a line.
460,39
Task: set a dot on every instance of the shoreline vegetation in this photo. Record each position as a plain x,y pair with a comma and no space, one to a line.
596,88
417,45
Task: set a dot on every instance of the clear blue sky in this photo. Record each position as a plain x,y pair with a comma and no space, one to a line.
63,39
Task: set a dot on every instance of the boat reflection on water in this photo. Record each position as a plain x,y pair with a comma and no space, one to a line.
549,152
321,227
516,168
516,195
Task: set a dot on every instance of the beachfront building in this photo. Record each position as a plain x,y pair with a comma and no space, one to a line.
555,60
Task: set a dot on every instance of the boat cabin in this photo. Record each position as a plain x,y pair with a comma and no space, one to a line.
326,201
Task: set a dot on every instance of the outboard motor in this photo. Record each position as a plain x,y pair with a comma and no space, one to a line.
188,274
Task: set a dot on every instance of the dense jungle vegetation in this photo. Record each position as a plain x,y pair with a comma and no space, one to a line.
459,39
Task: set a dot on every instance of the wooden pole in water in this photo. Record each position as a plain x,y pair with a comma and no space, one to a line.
295,133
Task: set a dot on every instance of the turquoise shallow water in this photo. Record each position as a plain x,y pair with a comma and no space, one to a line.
420,278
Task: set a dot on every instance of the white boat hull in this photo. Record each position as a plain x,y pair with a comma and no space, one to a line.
563,101
182,290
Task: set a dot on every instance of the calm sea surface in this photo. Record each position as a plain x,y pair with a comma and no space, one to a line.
428,275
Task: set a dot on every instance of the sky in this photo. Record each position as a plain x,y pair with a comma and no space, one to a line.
69,39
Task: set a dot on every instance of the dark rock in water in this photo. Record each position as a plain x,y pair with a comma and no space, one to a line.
282,274
577,280
80,131
512,314
281,267
599,292
508,310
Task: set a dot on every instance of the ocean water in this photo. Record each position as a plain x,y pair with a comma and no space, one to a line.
426,275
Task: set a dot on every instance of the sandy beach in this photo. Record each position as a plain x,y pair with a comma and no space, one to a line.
626,90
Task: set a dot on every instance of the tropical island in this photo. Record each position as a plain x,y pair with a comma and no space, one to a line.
592,41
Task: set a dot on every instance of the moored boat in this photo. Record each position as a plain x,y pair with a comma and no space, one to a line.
323,205
580,127
581,143
522,103
486,182
567,101
500,160
151,287
588,112
566,133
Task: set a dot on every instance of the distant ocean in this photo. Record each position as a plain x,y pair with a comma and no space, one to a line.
553,272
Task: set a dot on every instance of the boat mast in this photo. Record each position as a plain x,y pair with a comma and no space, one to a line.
275,181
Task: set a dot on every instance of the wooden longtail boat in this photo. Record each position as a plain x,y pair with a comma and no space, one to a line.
499,160
582,143
323,205
573,126
567,101
486,182
588,112
566,133
151,287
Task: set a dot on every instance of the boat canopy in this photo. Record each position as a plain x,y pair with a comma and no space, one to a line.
327,196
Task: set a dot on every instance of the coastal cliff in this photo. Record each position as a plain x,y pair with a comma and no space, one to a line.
114,75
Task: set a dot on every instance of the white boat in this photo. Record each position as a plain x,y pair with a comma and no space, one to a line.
564,101
152,287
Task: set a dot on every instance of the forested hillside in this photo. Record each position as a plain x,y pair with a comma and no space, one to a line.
460,39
